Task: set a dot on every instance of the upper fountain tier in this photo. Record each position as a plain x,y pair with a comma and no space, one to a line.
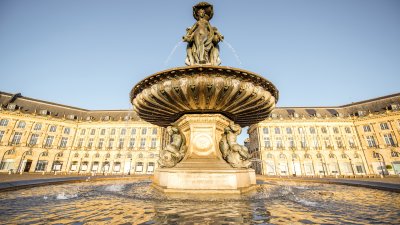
242,96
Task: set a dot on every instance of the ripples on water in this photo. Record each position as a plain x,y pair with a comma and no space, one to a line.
135,202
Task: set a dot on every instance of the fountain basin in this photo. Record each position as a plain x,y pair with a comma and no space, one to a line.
242,96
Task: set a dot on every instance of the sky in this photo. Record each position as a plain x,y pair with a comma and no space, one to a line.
89,54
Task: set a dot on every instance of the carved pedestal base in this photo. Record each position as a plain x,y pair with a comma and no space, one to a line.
203,170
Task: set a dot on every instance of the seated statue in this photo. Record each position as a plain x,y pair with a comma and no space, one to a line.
236,155
176,150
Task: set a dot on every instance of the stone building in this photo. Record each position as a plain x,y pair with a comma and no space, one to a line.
37,136
354,139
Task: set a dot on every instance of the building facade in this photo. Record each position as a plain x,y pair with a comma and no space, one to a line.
355,139
39,136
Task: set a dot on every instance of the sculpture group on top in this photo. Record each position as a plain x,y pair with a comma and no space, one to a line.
202,39
233,153
176,150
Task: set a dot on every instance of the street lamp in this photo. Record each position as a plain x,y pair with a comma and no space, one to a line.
380,163
352,170
130,166
323,168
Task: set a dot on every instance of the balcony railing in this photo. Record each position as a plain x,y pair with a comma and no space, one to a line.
392,145
13,144
61,147
372,147
47,146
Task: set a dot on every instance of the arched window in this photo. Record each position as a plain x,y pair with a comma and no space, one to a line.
356,156
118,156
332,156
344,156
76,155
294,156
319,156
108,155
269,156
140,155
307,156
394,154
97,155
86,155
282,156
129,155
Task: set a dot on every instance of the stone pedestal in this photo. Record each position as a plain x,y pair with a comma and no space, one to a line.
203,170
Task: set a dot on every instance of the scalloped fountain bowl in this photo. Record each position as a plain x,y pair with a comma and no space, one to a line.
242,96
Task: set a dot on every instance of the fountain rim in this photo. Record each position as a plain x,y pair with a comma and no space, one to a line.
146,82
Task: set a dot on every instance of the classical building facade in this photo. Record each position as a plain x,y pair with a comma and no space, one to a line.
38,136
358,138
355,139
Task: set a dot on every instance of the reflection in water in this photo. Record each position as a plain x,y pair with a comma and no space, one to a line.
135,202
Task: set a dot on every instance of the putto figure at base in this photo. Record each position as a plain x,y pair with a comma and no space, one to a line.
202,39
175,151
236,155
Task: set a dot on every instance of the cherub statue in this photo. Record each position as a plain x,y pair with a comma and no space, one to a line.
236,155
176,150
201,38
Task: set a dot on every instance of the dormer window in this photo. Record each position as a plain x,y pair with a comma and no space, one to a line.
43,112
89,118
395,107
274,115
127,117
318,115
341,114
12,106
361,113
107,118
72,117
296,115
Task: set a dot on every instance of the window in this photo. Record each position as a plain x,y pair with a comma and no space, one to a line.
76,155
356,156
53,129
108,155
129,155
111,143
3,123
384,126
63,142
288,130
327,142
155,131
291,142
123,131
60,154
11,106
132,143
33,139
45,154
324,131
318,115
312,130
388,140
121,142
103,132
335,130
332,156
269,156
351,143
97,155
375,155
101,141
339,142
11,152
86,155
80,142
361,113
90,142
267,142
93,132
277,130
133,132
279,142
319,156
143,142
296,115
43,112
282,156
17,138
144,131
303,142
67,130
118,156
83,131
315,142
127,117
394,154
151,155
371,141
300,130
88,118
294,156
21,125
348,130
38,126
344,156
49,141
265,130
107,118
367,128
29,153
1,135
112,131
153,142
307,156
71,117
140,155
274,115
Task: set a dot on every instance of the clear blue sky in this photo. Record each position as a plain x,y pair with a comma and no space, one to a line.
91,53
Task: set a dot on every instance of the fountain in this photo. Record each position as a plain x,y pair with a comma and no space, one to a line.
203,106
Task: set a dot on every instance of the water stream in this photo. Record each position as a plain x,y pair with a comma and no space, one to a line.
170,55
234,53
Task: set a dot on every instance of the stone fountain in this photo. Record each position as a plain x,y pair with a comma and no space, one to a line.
203,106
